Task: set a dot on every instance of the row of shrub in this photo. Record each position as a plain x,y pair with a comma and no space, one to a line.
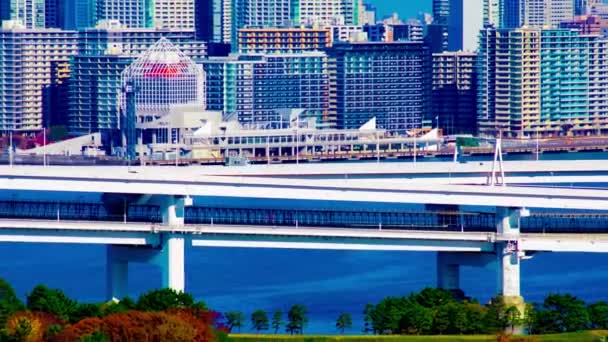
160,315
439,312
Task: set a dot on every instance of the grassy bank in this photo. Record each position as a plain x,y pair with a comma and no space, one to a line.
587,336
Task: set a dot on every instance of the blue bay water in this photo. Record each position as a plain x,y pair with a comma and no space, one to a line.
327,282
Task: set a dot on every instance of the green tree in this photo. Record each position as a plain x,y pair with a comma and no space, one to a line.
22,331
83,311
416,319
9,303
344,321
113,307
259,320
495,320
97,336
441,321
164,299
529,319
234,319
297,318
513,318
562,313
598,315
52,331
387,314
51,301
475,314
432,298
277,320
367,319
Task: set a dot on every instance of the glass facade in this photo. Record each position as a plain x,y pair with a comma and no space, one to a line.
162,77
389,81
94,90
256,88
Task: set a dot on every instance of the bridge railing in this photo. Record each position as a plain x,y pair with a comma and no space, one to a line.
364,219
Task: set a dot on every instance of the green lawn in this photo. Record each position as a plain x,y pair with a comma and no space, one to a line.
587,336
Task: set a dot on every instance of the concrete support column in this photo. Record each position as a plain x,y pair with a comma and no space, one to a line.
508,256
168,253
172,210
448,266
117,278
448,273
508,269
171,262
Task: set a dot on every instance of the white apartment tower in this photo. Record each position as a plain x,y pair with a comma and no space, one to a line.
328,12
130,13
539,13
174,14
32,63
28,12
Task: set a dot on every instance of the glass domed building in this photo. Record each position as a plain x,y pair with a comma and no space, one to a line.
157,81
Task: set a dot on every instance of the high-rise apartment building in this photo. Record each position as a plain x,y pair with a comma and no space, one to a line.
600,10
535,12
34,64
93,92
109,37
512,14
54,12
441,12
454,96
465,20
540,13
492,12
130,13
586,24
347,33
257,88
388,81
282,40
550,82
30,13
326,12
174,14
412,30
79,14
369,14
213,20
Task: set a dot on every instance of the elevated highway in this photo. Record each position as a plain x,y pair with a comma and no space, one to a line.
354,186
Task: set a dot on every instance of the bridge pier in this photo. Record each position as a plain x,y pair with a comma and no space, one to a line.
509,256
448,267
168,254
506,260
